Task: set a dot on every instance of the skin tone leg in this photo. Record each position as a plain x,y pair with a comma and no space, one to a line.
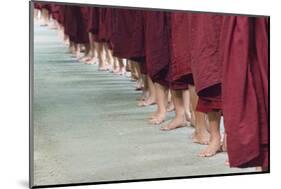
170,106
201,134
36,12
149,93
187,106
134,73
179,120
89,59
161,101
115,66
43,16
86,54
137,73
108,57
102,64
78,51
214,145
122,68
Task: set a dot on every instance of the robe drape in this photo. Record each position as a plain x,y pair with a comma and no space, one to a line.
206,63
75,25
157,53
180,68
245,90
93,24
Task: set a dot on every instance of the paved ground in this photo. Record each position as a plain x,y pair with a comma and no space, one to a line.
87,127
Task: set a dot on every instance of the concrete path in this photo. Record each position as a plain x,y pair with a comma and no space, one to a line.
87,127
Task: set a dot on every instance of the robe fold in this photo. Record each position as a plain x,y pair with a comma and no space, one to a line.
157,48
206,63
55,11
245,90
74,25
128,34
37,6
93,24
101,34
180,68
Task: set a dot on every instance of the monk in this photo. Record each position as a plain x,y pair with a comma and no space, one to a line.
245,90
181,79
205,31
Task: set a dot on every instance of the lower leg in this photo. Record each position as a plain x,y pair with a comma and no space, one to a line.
170,106
179,119
161,100
201,134
149,87
215,138
100,56
186,104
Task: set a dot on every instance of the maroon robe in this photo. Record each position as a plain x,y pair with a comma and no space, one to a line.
245,90
37,6
93,24
61,15
108,25
74,24
157,55
46,6
180,67
206,63
101,34
85,14
55,11
127,36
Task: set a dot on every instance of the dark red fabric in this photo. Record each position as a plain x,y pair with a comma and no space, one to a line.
101,34
38,6
206,63
46,6
93,24
55,11
212,101
61,15
83,24
143,68
205,51
74,24
245,90
180,68
108,24
128,34
157,30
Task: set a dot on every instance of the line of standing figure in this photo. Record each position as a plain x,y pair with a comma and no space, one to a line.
202,66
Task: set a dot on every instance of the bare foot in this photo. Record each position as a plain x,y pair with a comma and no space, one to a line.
201,137
122,71
213,147
92,61
259,169
158,118
147,102
103,68
170,107
139,85
177,122
86,59
224,145
226,162
188,117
